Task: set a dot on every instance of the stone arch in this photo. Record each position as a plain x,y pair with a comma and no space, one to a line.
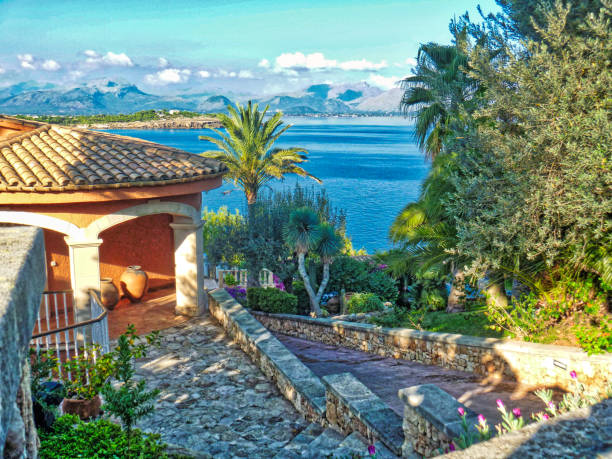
42,221
141,210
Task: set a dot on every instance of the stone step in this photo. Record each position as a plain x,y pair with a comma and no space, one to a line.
323,445
300,442
356,445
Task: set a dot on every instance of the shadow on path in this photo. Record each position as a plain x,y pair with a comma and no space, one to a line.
386,375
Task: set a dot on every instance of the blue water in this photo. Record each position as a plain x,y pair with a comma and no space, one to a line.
370,167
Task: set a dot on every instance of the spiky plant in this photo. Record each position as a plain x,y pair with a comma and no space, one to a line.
246,148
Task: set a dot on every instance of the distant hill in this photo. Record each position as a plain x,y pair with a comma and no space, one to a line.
107,96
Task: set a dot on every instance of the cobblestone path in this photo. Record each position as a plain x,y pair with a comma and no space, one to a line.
214,400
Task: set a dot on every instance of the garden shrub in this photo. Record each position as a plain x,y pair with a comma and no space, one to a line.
71,437
364,302
357,276
271,300
303,305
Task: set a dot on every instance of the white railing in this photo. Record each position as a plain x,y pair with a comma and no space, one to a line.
57,330
266,277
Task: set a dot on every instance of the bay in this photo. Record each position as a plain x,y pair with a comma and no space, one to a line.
370,167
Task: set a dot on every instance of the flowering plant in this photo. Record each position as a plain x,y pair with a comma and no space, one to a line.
238,293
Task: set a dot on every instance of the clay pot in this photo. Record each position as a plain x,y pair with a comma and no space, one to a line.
84,409
134,283
109,295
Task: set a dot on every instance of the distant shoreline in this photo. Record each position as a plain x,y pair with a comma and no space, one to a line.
173,123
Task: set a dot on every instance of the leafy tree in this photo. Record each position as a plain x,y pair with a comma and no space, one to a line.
533,182
246,148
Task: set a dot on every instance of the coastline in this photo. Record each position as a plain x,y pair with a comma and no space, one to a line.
172,123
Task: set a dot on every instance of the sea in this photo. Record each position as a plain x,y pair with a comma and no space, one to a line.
370,167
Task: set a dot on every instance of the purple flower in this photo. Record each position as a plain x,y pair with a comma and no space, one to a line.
451,446
371,450
481,419
573,374
517,412
545,416
461,411
499,402
551,405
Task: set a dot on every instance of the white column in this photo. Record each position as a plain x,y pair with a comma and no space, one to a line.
84,273
191,298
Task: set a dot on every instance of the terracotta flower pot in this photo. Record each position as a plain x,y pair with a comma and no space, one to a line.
134,282
109,295
84,409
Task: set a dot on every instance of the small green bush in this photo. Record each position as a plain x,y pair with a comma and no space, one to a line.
303,305
272,300
358,276
69,437
383,285
364,302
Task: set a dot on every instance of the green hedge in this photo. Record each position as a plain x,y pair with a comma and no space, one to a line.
358,276
303,306
364,302
272,300
69,437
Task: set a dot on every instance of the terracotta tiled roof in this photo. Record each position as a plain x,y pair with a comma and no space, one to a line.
45,157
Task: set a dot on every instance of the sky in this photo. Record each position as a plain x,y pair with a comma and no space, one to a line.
230,46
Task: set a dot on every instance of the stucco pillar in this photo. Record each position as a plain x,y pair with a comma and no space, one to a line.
189,267
84,273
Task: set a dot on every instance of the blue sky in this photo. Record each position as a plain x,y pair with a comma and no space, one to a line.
234,46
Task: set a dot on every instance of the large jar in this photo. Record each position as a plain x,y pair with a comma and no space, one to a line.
109,295
134,282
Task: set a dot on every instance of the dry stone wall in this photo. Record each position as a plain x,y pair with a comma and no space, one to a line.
532,365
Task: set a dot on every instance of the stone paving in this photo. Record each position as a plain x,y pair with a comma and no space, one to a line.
385,376
214,400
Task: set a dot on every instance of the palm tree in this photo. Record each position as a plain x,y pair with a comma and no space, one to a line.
304,232
435,95
247,149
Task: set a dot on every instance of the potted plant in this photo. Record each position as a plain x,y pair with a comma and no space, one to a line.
83,377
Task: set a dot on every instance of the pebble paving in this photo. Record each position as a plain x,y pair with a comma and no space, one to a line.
214,400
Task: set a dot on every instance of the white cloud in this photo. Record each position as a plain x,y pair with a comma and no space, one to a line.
245,74
75,74
120,59
306,61
51,65
168,76
162,62
26,61
226,73
385,82
110,58
265,63
362,64
204,73
2,71
411,61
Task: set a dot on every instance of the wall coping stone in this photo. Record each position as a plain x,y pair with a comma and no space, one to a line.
22,280
368,408
301,378
439,408
497,344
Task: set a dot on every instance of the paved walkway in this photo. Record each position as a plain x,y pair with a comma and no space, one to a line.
214,400
385,376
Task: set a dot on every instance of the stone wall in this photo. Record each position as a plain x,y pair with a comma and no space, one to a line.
351,407
431,420
294,380
584,433
22,280
532,365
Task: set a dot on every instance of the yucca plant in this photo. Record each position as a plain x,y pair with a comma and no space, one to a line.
305,233
246,148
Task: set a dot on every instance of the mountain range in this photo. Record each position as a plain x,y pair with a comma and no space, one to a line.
107,96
